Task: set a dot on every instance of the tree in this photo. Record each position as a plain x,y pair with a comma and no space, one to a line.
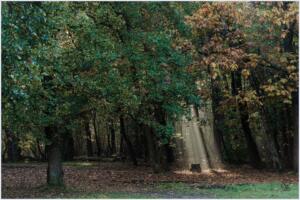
244,43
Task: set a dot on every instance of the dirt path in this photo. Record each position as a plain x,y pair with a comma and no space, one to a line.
28,180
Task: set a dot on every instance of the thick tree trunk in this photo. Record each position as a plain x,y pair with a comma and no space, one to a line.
149,143
244,117
252,147
54,170
138,144
128,142
270,130
13,150
163,157
286,140
162,149
205,121
152,149
195,143
89,144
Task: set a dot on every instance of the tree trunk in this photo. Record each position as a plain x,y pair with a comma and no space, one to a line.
286,139
152,149
270,130
121,150
13,150
128,142
4,151
199,154
218,118
68,147
244,117
161,157
146,150
41,151
108,143
97,137
295,104
138,144
54,170
113,139
289,45
89,145
205,122
149,143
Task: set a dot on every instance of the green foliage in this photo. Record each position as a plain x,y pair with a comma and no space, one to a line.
62,60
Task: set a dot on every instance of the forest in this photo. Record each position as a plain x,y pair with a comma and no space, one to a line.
180,96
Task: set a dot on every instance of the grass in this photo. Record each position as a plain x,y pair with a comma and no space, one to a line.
182,190
263,190
111,195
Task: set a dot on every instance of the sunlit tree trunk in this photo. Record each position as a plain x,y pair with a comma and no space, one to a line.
205,120
218,117
196,143
97,137
88,138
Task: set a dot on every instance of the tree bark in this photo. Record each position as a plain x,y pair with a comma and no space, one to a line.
295,104
113,139
152,149
54,170
89,145
287,144
255,160
97,137
270,130
161,152
218,122
121,150
13,150
205,122
41,151
128,142
68,147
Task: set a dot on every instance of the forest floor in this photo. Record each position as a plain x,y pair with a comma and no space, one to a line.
121,180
